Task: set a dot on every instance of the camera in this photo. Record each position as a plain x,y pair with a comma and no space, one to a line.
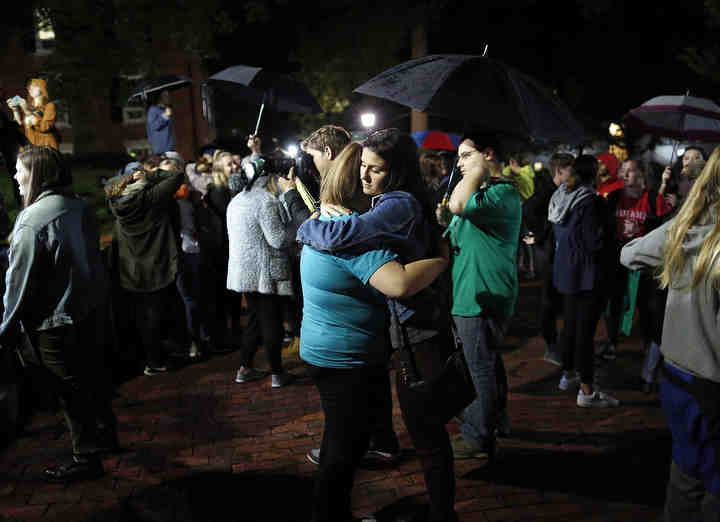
15,101
305,170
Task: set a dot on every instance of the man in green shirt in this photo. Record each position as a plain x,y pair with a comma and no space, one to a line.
484,231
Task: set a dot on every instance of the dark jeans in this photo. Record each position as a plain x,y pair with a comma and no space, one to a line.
147,312
432,443
353,402
197,292
74,357
481,337
264,327
577,338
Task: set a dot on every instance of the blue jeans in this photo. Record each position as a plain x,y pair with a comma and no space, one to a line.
480,337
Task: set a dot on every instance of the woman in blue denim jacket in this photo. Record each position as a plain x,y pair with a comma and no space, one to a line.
402,221
56,293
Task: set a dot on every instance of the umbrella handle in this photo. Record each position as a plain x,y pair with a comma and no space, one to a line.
672,155
257,125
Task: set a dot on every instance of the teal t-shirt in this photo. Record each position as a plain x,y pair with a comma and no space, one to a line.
484,266
344,318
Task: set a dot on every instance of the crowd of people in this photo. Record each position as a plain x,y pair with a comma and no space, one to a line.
338,256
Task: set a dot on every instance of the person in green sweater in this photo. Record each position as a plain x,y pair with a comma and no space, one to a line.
483,218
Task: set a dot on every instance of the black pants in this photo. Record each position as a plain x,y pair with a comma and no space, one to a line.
431,441
550,306
74,357
147,314
577,338
264,327
354,401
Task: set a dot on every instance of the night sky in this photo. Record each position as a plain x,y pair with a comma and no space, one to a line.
602,65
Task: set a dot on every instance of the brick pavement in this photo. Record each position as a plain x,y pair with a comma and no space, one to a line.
199,447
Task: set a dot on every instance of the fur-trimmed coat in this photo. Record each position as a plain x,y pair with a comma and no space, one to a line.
259,260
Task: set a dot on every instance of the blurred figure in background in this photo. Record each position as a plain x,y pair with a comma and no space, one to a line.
159,126
37,118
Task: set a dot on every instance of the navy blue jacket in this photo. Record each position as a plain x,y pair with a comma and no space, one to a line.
578,241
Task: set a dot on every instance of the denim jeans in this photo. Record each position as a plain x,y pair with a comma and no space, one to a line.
480,337
196,293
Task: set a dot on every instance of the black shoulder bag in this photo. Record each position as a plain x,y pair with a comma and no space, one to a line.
435,370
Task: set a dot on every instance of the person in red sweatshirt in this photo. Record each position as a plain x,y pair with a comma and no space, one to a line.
608,181
635,211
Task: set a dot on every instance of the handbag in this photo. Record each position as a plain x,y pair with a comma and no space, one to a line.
435,372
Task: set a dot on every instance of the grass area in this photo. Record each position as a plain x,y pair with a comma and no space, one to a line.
85,184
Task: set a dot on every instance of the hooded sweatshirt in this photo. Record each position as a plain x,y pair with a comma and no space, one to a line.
691,331
577,232
42,133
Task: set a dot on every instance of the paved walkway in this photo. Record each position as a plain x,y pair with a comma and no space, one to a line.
199,447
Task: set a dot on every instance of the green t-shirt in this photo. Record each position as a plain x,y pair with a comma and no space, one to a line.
485,240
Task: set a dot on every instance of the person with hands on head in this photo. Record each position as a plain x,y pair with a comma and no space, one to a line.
148,252
483,217
159,126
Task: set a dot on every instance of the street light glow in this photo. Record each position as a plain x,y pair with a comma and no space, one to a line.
368,120
292,151
615,130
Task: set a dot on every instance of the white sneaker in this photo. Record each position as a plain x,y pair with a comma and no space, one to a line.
194,351
282,379
568,380
598,399
248,374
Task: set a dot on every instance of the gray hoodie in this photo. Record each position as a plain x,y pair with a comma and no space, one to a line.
691,332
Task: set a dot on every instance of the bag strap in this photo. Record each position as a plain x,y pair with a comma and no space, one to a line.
408,370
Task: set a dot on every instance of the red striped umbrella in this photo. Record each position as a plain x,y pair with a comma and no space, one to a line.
437,140
679,117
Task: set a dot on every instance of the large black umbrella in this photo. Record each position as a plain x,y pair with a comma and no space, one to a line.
478,90
161,83
269,89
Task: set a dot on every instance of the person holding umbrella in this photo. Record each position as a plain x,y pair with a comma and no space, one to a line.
160,129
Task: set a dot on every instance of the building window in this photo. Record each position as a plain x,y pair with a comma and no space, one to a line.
133,114
44,33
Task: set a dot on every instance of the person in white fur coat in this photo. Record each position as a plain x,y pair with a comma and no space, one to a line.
259,267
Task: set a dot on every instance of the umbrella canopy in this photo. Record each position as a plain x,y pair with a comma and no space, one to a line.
277,91
478,90
161,83
679,117
436,140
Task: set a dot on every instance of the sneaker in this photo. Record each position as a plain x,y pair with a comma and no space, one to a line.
552,356
598,399
248,374
150,371
464,450
314,456
609,353
373,456
282,379
195,352
567,380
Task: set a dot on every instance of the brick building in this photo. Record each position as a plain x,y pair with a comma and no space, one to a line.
120,127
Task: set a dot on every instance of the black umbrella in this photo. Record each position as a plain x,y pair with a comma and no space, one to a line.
161,83
476,89
275,91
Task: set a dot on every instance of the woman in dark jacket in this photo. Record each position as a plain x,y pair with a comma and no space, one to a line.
147,262
573,211
56,295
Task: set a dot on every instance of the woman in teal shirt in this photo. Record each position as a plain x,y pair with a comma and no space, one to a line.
344,338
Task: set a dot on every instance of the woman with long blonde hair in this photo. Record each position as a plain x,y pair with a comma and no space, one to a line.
685,252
